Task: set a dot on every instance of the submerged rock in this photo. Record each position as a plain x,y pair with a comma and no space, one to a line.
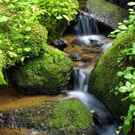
106,12
48,74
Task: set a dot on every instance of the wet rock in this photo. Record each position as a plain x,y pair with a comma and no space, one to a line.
108,13
83,57
122,3
60,44
47,74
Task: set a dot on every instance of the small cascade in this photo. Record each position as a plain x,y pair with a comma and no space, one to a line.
104,122
88,37
81,79
85,25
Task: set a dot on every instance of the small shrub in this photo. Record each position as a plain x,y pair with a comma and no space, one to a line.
56,14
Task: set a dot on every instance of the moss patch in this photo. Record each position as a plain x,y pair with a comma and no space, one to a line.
45,74
71,114
54,117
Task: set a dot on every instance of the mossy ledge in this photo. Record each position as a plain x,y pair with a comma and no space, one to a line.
53,116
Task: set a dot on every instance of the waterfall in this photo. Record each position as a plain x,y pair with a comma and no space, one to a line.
81,79
104,122
80,90
85,25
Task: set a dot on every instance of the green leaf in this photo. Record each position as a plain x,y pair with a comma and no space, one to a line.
123,27
3,19
129,119
131,4
59,17
28,28
66,17
128,76
120,73
27,49
123,89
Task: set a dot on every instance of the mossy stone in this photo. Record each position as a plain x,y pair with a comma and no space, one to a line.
54,117
18,42
45,74
71,111
106,12
104,78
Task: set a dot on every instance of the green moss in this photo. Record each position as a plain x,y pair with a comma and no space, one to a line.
107,11
107,6
22,36
2,64
48,72
104,78
71,114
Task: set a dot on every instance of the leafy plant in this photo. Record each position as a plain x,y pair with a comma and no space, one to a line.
21,34
127,87
126,24
127,75
57,14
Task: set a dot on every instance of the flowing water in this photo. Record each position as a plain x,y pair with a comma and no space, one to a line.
87,32
95,40
81,79
88,36
85,24
104,121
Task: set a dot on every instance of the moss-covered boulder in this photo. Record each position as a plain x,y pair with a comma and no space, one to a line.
104,78
107,12
44,115
45,74
22,36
